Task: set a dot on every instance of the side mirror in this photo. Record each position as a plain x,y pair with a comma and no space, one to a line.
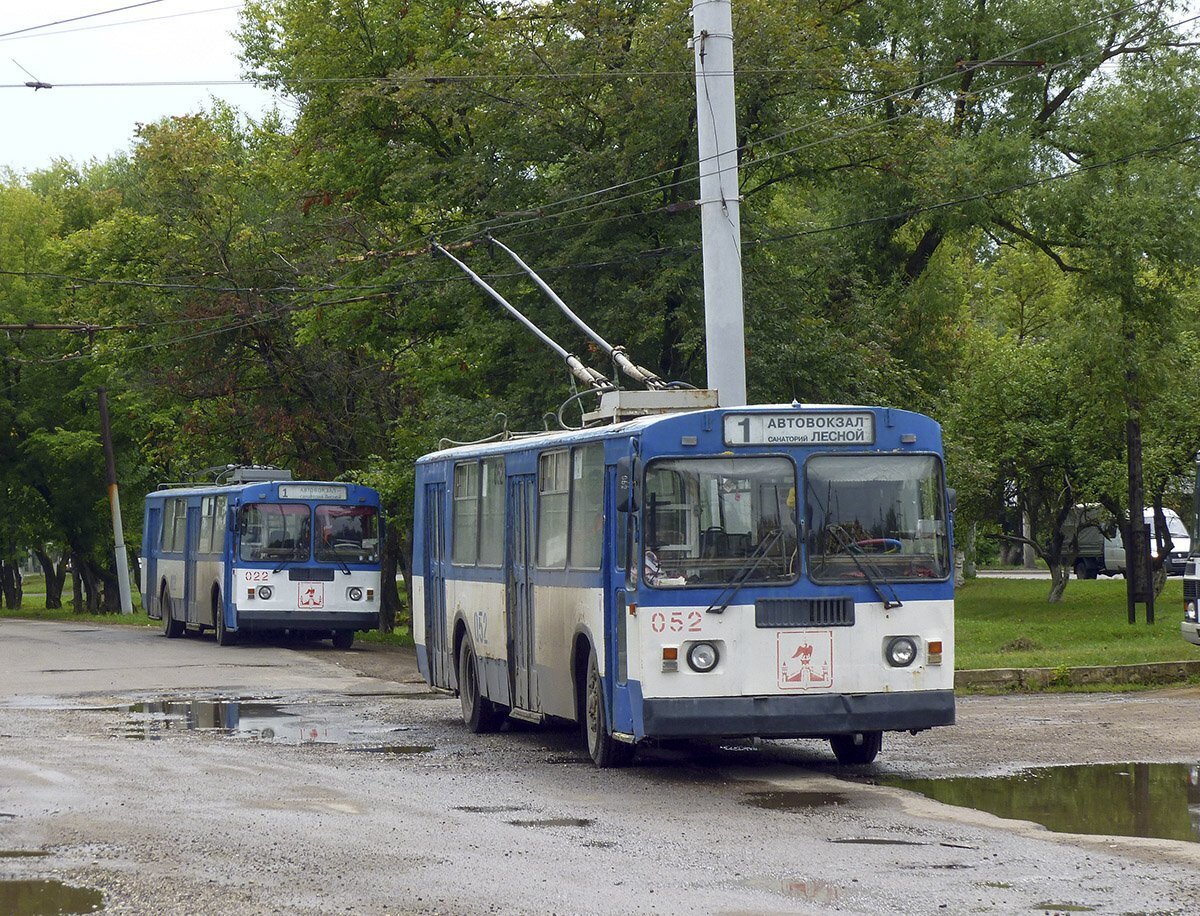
627,485
952,499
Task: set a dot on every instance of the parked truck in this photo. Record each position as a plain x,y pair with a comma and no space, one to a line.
1100,552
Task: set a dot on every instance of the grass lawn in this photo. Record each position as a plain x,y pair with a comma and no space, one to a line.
1006,623
34,608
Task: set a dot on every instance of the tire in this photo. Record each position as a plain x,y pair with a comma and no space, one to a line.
605,750
1084,570
343,639
171,628
225,637
480,714
860,747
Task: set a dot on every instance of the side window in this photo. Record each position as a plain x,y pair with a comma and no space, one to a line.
587,506
219,524
465,520
553,509
174,525
206,525
491,513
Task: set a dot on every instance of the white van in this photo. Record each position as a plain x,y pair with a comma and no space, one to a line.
1181,545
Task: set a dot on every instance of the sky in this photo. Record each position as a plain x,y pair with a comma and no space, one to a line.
158,41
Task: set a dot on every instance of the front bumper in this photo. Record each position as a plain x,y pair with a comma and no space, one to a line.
307,620
796,716
1190,632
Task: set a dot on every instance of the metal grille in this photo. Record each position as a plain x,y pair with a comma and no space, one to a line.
310,574
1191,588
804,612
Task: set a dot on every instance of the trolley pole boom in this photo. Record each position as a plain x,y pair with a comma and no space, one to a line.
617,354
589,377
720,219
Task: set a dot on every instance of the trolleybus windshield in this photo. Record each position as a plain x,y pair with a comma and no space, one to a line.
275,531
348,533
876,514
714,521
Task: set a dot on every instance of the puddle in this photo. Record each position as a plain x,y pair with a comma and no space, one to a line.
879,841
812,890
250,719
1131,799
397,749
47,898
555,822
794,801
22,853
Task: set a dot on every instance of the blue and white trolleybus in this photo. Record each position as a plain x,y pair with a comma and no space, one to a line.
260,551
775,571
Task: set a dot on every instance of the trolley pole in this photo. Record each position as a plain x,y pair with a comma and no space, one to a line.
114,501
720,218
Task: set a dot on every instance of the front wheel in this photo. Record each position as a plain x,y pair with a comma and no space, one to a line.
860,747
171,628
343,639
479,713
225,636
605,750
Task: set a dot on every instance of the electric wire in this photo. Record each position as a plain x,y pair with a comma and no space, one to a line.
48,25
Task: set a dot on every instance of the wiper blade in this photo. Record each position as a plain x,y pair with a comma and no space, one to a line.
743,574
855,551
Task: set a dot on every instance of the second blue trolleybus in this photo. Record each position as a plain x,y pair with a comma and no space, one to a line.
776,571
263,552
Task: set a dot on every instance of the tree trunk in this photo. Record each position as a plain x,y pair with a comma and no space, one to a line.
389,597
1059,576
77,604
56,575
10,583
970,551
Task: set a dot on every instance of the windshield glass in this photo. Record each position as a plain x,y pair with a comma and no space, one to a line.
274,531
348,533
714,521
883,511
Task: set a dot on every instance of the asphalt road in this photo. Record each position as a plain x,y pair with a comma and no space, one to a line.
336,783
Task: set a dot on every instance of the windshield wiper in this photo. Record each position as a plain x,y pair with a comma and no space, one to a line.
855,551
742,575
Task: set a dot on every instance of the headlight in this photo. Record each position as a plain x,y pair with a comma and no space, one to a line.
901,652
354,593
703,657
1189,612
265,592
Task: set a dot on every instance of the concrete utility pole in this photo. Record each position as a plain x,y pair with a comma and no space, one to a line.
114,500
720,219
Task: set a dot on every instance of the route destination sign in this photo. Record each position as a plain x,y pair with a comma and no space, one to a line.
841,428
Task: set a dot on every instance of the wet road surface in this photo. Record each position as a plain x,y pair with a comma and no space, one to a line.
179,777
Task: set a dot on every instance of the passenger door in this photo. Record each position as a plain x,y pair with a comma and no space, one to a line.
435,584
192,611
518,556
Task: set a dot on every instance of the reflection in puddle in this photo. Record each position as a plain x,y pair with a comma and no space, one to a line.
1131,799
255,720
794,801
47,898
812,890
555,822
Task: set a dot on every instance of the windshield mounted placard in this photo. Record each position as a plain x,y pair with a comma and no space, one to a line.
311,491
849,427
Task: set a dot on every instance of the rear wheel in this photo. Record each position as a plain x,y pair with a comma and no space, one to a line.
605,750
479,713
860,747
172,628
343,639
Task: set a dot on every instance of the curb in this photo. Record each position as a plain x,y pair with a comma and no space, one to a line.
1037,678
